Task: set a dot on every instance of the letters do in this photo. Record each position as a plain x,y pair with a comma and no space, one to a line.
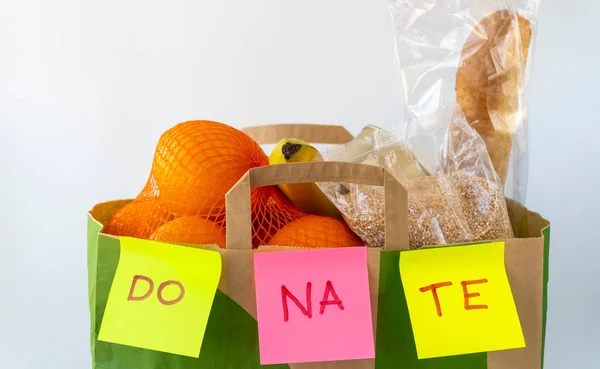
159,291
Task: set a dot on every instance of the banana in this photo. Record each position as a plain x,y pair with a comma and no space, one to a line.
307,197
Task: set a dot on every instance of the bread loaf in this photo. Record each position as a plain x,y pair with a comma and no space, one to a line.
489,82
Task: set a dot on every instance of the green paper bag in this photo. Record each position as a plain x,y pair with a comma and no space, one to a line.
230,328
231,339
526,260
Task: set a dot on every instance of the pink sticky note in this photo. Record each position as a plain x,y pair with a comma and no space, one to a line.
328,315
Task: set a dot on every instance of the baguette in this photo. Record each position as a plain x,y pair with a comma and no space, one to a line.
489,82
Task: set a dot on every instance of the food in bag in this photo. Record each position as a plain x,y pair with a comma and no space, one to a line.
195,164
190,230
476,54
489,82
133,219
307,197
316,231
462,201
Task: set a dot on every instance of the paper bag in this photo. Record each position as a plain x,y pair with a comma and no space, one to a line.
231,338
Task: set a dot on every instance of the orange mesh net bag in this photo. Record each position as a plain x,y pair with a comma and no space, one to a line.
195,164
191,230
316,231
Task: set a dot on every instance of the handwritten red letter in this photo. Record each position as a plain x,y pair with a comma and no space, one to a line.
134,284
433,288
471,295
336,300
285,293
168,283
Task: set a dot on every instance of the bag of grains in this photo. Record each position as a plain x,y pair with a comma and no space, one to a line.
454,194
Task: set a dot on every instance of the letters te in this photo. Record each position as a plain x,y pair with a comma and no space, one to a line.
466,294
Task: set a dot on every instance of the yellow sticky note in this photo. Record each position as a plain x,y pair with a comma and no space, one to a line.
161,297
459,300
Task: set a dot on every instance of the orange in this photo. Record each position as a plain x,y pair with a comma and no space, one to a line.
191,230
271,211
138,219
197,162
316,231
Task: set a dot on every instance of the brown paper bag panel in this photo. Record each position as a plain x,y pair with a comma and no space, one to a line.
238,207
525,223
323,134
344,364
536,224
524,260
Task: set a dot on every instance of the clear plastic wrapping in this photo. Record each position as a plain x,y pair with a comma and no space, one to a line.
476,54
454,194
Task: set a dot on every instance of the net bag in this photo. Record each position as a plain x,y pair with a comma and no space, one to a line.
195,164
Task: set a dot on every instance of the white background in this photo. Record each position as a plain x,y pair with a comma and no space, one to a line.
87,87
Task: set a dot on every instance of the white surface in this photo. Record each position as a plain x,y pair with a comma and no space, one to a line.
86,88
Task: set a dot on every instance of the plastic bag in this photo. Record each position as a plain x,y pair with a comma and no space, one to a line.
454,194
478,54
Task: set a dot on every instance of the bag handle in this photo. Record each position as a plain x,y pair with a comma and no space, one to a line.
313,133
238,207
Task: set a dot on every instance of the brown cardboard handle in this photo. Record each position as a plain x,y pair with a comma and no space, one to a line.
313,133
237,200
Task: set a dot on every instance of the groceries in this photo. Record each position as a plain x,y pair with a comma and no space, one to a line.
271,211
457,154
477,54
316,231
305,196
190,230
452,157
195,164
138,219
490,83
473,210
458,199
